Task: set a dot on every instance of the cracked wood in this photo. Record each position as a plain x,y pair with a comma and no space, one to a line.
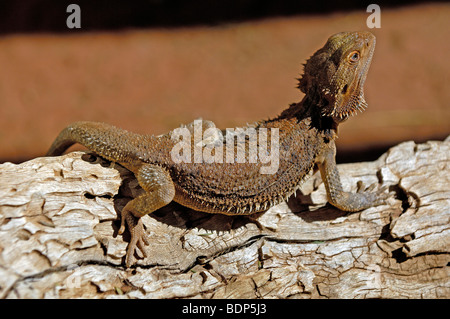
58,236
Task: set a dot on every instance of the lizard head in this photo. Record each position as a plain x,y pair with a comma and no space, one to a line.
336,73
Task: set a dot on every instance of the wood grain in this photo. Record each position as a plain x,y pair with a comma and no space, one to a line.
58,236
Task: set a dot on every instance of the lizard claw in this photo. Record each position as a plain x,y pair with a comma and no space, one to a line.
361,187
380,196
138,239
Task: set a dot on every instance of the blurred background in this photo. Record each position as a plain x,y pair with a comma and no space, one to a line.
148,66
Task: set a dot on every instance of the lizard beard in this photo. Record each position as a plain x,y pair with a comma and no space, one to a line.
347,102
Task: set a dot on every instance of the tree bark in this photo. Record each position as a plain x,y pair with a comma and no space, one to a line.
58,236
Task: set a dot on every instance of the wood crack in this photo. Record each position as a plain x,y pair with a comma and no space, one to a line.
320,254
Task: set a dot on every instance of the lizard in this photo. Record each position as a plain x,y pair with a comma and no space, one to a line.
333,84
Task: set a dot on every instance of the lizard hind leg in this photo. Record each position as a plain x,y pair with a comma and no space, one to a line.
159,191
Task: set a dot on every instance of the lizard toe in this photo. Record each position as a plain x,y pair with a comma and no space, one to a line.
382,195
360,186
138,239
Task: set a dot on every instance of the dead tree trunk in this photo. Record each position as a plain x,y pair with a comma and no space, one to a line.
58,236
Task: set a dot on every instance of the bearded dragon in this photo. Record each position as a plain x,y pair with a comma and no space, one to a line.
333,83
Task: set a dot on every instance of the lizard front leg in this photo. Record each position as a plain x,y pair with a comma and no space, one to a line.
159,191
347,201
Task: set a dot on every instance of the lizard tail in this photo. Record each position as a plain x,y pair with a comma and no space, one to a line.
64,140
106,140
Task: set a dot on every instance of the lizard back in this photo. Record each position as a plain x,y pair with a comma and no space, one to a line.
240,188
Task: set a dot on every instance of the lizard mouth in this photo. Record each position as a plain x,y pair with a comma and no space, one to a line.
350,98
350,101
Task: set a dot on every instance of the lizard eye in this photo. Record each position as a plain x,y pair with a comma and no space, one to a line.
353,57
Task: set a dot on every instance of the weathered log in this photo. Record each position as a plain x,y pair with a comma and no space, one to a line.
58,236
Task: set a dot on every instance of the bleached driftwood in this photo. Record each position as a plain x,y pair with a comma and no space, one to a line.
58,236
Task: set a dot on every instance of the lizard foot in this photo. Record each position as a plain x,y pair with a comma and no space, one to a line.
138,238
379,197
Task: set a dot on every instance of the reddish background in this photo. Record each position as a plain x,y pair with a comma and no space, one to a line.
150,80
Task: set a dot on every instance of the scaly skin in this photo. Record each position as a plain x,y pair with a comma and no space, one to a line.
333,85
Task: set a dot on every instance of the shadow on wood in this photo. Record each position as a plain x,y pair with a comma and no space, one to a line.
58,236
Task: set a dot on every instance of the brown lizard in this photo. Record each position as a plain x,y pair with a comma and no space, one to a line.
333,82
